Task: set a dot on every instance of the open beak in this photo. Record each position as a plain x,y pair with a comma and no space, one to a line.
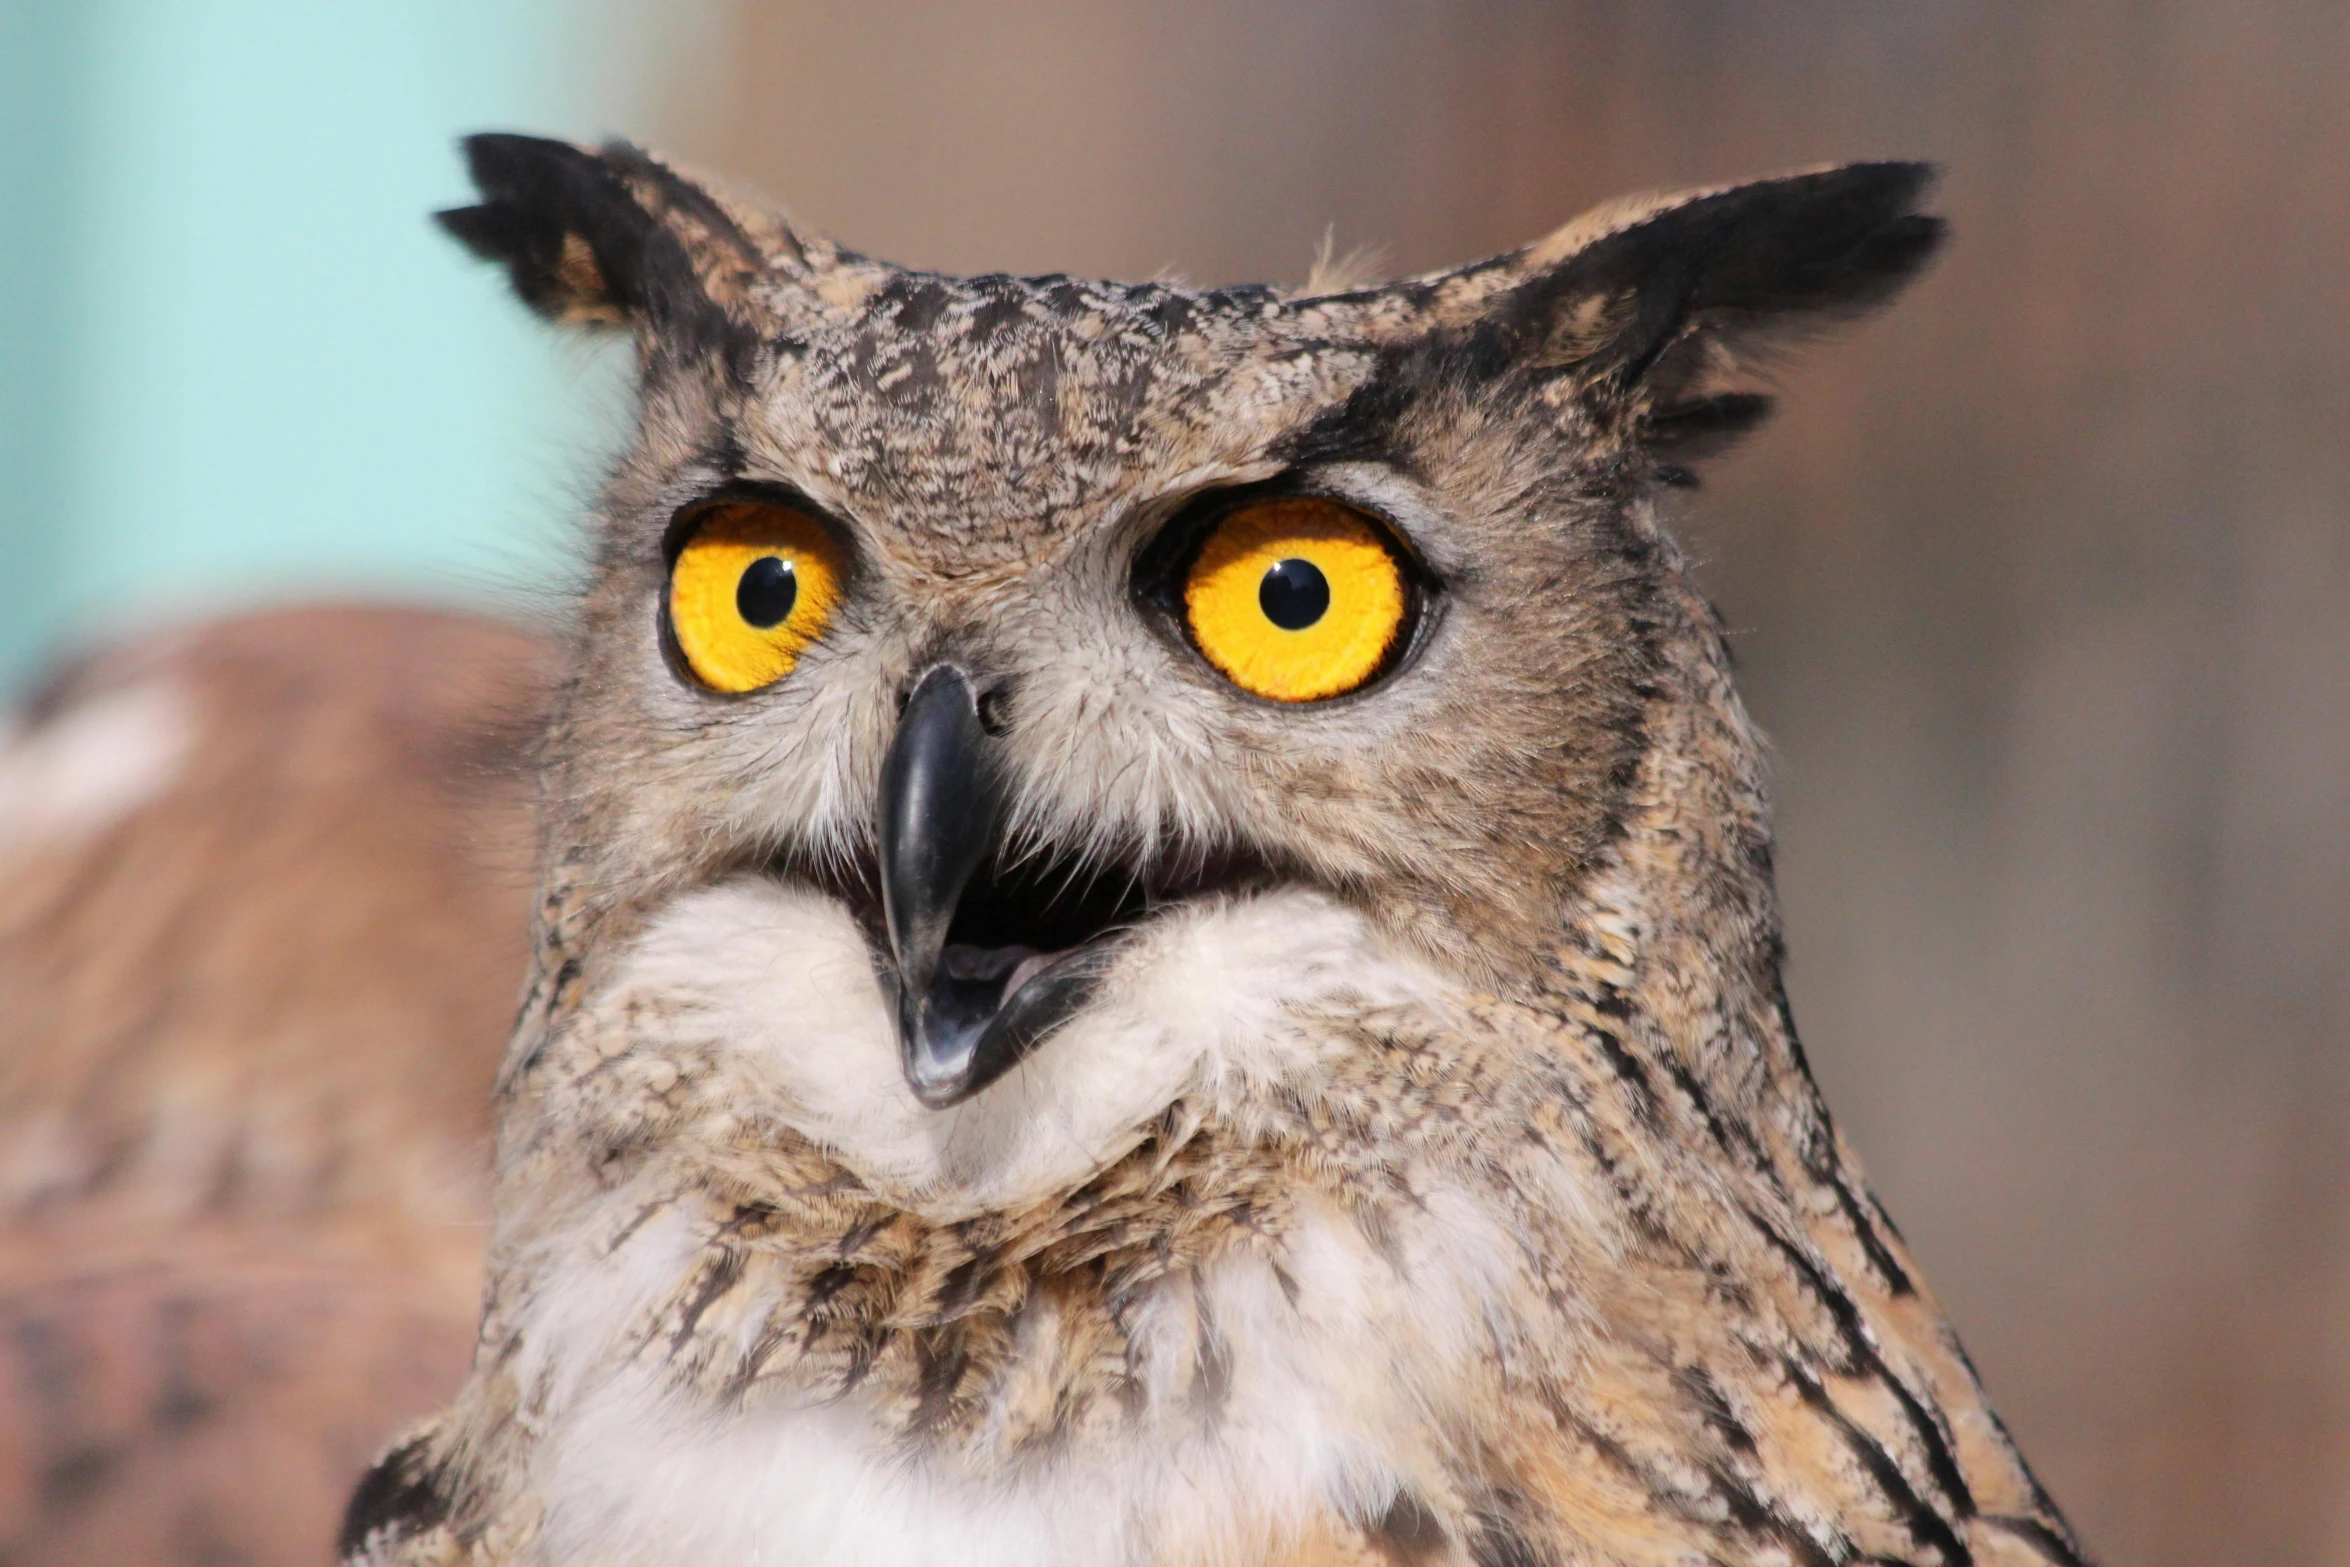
967,1013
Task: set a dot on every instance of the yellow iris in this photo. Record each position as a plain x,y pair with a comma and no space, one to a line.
1296,599
754,585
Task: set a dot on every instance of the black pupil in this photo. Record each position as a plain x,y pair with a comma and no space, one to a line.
767,592
1294,594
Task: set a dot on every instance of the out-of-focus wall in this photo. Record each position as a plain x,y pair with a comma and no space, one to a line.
2043,582
240,363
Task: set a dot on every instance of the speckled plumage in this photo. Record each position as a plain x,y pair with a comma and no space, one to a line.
1451,1189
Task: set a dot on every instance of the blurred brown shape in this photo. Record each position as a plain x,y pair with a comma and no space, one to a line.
263,902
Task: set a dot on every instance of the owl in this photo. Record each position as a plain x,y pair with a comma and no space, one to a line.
1156,942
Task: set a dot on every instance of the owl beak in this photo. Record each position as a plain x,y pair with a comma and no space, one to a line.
966,1015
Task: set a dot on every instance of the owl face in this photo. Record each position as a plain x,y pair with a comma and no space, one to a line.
1023,643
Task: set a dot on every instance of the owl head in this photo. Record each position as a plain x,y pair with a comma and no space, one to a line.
1001,680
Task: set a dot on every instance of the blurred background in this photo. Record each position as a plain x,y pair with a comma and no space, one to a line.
2041,585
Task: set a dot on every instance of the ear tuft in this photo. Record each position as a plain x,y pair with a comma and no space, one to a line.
1799,250
561,221
1647,306
613,237
1838,241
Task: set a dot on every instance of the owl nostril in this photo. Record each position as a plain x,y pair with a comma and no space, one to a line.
995,710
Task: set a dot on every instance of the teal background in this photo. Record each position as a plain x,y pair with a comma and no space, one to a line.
237,362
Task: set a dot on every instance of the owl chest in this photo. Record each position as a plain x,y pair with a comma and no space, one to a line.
1240,1410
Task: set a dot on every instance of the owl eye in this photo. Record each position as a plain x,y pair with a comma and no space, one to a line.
1297,598
753,586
